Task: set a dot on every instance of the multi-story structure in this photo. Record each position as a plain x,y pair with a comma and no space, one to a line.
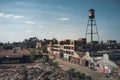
111,44
46,45
71,49
30,43
57,49
49,48
68,49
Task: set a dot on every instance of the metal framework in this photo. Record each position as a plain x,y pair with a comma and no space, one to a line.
92,29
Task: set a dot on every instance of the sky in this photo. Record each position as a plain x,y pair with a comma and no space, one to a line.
61,19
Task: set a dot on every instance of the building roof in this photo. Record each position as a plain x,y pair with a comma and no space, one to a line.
13,53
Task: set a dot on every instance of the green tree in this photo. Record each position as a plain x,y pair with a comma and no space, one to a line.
78,75
31,58
71,72
83,76
89,78
45,58
44,49
1,47
32,55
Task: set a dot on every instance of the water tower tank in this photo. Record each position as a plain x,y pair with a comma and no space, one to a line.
91,13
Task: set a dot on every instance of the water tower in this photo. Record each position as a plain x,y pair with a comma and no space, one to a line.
91,26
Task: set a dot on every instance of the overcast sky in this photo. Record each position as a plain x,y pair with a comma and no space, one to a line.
62,19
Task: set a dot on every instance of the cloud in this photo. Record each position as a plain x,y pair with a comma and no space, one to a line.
12,16
29,22
2,15
41,27
9,16
18,17
64,19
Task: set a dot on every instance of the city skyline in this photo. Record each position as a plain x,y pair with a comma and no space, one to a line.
20,19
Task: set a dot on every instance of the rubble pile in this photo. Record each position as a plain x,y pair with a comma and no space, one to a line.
43,71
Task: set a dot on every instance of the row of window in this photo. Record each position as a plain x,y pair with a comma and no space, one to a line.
68,52
68,47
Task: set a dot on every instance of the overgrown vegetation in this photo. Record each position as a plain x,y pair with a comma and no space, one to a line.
43,49
32,55
1,47
78,75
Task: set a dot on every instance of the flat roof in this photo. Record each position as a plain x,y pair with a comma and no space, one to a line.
12,54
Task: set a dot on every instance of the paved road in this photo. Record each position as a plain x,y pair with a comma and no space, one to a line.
94,74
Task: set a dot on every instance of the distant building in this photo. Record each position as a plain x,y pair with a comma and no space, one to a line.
39,44
17,45
30,43
46,42
8,46
93,46
111,44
